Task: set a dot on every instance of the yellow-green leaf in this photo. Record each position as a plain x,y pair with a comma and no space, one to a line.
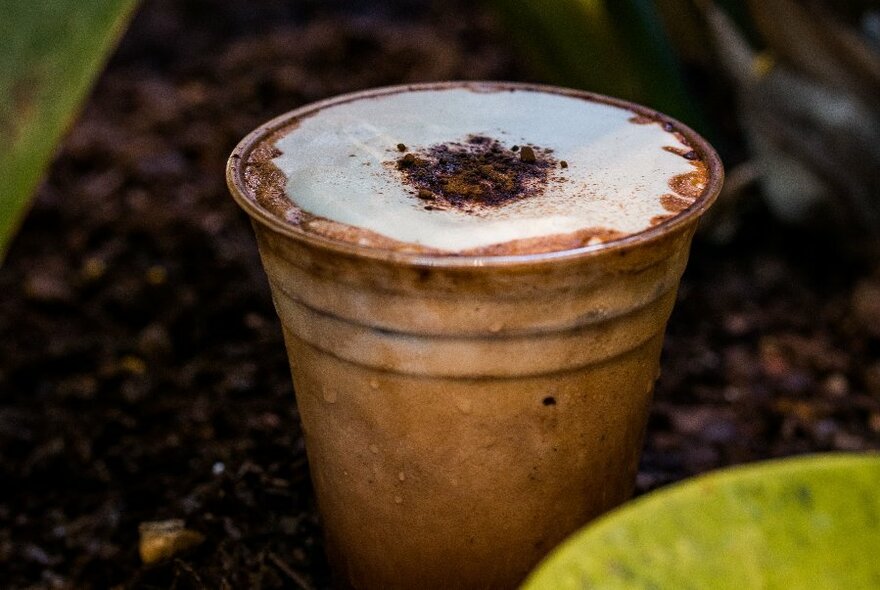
50,52
809,522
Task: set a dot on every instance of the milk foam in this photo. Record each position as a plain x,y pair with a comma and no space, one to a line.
338,163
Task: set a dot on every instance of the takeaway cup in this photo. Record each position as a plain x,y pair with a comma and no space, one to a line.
464,414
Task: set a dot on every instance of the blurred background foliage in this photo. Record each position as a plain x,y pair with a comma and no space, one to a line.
786,89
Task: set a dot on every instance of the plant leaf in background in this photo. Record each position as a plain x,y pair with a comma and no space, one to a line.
808,104
615,47
815,43
808,107
50,53
808,522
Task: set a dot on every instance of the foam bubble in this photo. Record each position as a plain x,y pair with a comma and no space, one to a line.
342,163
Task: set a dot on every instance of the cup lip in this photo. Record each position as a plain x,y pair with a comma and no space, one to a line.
242,151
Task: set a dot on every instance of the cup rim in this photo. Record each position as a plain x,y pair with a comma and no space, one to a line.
241,153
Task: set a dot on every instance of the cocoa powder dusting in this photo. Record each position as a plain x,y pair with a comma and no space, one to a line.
565,241
264,180
470,175
675,203
267,184
476,173
691,184
688,186
658,219
641,120
677,151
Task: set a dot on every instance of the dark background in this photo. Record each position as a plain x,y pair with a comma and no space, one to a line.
142,370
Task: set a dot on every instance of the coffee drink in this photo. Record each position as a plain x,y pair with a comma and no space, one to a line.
476,169
473,280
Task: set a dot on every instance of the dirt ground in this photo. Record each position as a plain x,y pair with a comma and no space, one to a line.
142,370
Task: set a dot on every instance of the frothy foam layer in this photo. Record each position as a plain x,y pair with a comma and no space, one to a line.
467,170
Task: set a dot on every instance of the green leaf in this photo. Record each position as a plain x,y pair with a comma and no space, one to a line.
569,42
618,48
50,53
809,522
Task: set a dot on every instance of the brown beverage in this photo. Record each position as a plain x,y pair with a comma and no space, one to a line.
473,281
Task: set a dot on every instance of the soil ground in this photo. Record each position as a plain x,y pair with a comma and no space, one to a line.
142,370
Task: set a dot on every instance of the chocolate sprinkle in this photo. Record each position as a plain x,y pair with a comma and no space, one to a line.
475,173
406,161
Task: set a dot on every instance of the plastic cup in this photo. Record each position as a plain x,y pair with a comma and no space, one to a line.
464,414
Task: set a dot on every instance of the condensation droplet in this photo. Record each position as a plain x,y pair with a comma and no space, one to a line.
374,383
401,476
496,327
329,395
374,449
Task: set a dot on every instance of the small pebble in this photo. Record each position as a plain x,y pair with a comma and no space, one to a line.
836,385
154,341
132,364
93,268
161,540
156,275
737,324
